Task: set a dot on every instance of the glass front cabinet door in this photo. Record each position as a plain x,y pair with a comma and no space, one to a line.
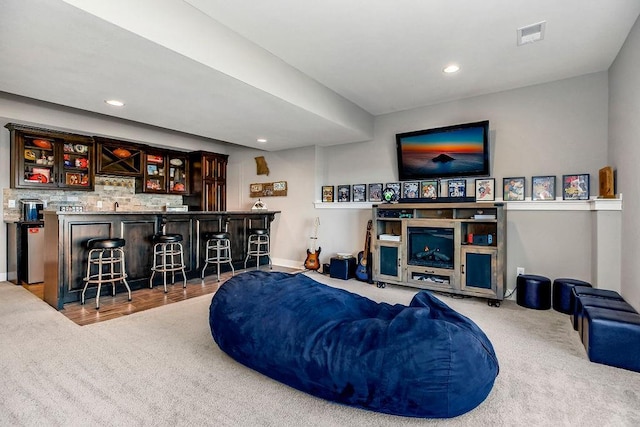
165,172
178,167
48,159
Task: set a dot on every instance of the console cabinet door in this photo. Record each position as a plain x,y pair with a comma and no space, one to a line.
478,271
387,262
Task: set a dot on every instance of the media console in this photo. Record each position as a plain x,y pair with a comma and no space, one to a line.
457,248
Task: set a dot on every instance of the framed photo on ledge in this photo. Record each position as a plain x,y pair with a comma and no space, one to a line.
543,187
485,189
344,193
410,190
359,193
457,188
375,192
575,187
513,189
327,193
429,189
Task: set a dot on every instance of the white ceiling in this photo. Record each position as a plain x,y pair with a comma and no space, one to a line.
297,72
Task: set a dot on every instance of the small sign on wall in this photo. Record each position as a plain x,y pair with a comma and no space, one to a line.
266,189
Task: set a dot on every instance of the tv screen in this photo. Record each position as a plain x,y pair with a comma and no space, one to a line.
451,151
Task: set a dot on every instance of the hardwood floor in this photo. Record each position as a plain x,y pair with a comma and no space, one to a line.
142,299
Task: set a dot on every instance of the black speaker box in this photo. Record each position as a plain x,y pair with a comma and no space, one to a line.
342,268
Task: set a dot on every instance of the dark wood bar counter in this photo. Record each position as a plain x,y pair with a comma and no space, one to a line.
66,234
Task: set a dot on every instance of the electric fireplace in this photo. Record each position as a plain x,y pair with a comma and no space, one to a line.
430,247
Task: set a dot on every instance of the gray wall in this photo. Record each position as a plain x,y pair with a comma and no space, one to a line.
550,129
624,154
556,128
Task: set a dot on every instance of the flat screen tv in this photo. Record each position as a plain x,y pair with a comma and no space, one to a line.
452,151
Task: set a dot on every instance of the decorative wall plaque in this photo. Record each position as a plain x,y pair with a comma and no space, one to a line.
266,189
606,185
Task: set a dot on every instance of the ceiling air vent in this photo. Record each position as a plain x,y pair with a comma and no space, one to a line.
531,33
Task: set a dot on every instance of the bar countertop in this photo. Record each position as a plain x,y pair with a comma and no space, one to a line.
66,234
119,212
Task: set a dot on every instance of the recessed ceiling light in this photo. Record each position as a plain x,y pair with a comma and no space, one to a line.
262,140
114,102
449,69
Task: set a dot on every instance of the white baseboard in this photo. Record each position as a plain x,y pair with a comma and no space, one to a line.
288,263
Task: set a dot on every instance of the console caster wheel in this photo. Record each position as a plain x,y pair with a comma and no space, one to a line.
381,284
493,303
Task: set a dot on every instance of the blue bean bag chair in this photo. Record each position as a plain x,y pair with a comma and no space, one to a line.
424,360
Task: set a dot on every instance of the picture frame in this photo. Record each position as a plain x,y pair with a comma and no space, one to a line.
359,193
457,188
72,178
396,187
513,189
410,189
429,189
327,194
543,187
152,169
485,189
344,193
375,192
575,187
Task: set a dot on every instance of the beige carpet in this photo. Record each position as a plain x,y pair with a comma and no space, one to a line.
161,367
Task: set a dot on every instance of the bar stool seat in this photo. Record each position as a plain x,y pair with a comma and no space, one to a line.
105,264
258,245
168,257
218,251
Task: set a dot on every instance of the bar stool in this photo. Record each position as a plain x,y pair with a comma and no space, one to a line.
218,251
167,258
106,256
258,245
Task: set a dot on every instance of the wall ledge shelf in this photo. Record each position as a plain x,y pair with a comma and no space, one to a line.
343,205
593,204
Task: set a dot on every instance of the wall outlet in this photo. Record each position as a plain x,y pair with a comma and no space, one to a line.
11,203
519,271
99,204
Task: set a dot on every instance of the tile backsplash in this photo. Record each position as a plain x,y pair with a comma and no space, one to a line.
108,190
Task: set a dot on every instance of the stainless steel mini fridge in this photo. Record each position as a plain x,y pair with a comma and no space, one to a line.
35,253
25,252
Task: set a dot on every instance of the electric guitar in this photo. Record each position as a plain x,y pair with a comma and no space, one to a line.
313,262
363,270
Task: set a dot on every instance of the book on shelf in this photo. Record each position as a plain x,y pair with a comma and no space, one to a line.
484,216
389,237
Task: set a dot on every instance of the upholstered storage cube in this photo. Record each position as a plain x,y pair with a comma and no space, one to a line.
578,291
342,268
612,337
562,294
533,291
591,301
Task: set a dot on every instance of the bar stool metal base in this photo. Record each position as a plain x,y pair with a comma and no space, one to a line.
257,246
168,258
218,252
107,258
